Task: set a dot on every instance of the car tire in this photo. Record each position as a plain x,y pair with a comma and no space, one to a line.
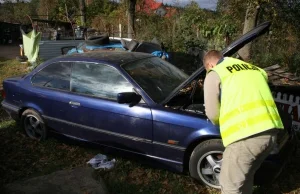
205,162
33,125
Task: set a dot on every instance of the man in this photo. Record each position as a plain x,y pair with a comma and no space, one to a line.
237,97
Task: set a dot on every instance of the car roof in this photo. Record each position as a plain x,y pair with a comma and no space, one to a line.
110,57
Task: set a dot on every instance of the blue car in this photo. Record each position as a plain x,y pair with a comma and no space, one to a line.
134,102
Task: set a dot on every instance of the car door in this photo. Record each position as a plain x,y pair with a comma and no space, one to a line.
49,94
98,117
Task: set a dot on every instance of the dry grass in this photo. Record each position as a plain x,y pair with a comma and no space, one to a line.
9,68
21,157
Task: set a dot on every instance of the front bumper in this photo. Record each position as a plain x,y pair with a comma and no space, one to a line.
275,164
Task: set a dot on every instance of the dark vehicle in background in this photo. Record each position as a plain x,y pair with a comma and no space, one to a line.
134,102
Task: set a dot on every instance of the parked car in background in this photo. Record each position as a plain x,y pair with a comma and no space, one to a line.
134,102
105,43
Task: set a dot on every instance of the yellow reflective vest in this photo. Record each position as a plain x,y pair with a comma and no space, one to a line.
247,105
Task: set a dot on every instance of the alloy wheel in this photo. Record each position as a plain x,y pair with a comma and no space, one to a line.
33,127
209,168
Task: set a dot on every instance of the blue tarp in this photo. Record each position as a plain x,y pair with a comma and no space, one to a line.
160,54
80,50
104,46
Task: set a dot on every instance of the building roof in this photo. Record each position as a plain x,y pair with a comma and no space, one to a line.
153,7
148,6
170,11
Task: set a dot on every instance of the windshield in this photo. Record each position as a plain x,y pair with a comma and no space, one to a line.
156,77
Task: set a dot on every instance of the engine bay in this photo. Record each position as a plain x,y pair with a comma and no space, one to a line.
190,98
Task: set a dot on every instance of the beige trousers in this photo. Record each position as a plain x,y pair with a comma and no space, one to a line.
241,160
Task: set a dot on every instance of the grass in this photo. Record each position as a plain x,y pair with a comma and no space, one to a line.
11,67
21,158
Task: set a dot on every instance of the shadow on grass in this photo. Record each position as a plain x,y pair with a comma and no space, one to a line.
3,114
21,157
288,181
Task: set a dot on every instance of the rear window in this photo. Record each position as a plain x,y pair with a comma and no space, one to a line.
56,76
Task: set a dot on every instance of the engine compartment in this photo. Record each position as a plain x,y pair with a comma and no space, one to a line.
190,98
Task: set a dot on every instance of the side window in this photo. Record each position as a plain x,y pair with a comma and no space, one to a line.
98,80
56,75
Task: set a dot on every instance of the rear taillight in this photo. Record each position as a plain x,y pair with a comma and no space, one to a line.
3,94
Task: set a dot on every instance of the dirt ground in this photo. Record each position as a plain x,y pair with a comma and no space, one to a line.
9,51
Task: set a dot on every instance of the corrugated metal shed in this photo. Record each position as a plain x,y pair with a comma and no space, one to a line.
50,49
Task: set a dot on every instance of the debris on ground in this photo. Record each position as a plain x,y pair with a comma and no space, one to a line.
281,76
100,161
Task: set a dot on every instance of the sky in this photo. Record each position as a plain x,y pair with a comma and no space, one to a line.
208,4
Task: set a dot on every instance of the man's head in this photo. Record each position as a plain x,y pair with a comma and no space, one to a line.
211,59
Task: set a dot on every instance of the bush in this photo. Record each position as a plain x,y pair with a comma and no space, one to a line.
294,63
268,59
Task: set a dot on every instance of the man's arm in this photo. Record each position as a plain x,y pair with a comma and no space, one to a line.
211,87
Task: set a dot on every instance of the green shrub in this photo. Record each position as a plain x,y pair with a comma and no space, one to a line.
294,63
268,59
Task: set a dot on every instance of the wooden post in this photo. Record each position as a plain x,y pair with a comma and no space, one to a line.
21,50
120,30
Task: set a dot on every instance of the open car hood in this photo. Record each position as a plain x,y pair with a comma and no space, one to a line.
228,51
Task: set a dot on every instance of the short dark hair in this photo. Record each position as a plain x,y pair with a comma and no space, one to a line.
212,54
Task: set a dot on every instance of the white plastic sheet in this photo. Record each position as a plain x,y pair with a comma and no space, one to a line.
31,44
100,161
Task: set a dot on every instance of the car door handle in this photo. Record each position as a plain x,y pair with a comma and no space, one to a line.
74,103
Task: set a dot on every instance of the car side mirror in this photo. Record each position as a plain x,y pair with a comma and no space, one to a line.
130,98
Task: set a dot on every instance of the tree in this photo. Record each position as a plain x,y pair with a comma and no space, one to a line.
12,11
284,31
82,12
288,10
7,11
47,9
246,13
99,7
34,7
72,8
131,18
249,23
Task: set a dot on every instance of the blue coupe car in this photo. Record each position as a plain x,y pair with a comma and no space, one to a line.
134,102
